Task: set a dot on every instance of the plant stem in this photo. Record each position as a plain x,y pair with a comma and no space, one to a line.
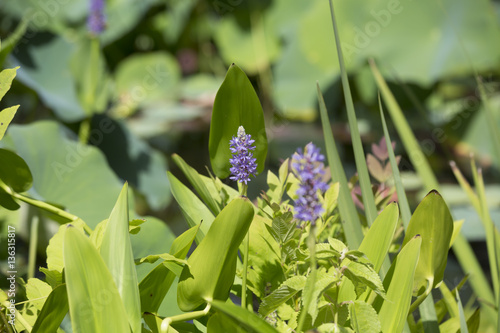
49,208
243,191
33,246
311,243
245,269
183,317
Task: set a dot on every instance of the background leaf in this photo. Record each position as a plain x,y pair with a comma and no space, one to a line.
236,104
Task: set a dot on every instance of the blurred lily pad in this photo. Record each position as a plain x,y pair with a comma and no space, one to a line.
44,68
132,159
143,79
65,171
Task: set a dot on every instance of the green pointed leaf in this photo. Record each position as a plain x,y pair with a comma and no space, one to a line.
14,171
433,222
403,201
379,237
53,312
359,154
236,104
6,78
6,116
322,282
193,209
411,144
463,321
287,290
364,319
198,184
94,301
116,251
348,212
55,249
399,285
212,265
364,276
167,257
244,318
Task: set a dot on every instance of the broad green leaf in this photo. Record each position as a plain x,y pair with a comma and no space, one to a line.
212,265
65,172
379,237
433,222
198,184
399,285
359,154
348,212
14,171
364,319
53,312
94,301
287,290
193,209
6,116
116,252
236,104
244,318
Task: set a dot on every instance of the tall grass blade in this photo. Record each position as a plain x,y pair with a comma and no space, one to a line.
402,200
492,122
463,320
350,218
416,155
359,154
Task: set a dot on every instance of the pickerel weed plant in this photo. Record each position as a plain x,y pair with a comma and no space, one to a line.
300,258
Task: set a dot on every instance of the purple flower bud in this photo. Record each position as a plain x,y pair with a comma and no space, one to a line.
309,168
96,21
243,162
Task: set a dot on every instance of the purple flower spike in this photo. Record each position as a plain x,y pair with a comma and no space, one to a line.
309,168
243,162
96,21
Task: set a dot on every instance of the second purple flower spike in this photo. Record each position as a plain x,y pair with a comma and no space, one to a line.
309,168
